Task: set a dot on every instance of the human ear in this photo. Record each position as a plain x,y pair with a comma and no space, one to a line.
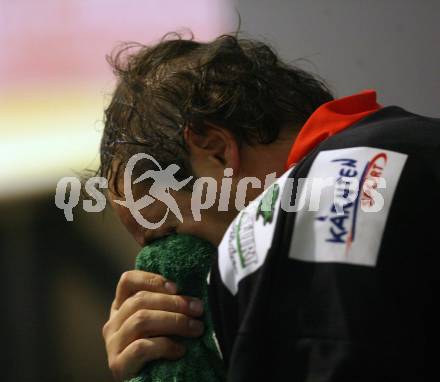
213,149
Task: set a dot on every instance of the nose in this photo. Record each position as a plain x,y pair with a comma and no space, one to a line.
136,230
140,239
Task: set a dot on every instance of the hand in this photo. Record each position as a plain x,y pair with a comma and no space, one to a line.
145,311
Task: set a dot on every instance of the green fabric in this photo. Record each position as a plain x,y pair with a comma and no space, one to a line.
185,260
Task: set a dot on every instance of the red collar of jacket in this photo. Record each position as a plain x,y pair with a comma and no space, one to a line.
329,119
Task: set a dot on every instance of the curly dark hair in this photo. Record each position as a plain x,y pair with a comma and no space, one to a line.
238,84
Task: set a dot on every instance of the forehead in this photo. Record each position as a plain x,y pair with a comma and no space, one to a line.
116,179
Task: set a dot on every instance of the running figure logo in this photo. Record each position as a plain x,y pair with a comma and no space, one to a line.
163,181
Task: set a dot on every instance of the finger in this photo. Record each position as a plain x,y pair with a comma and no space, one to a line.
188,306
153,323
132,359
135,281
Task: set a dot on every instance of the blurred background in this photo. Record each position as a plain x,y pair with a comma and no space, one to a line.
57,277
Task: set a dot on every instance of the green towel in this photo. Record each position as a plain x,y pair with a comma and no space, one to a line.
185,260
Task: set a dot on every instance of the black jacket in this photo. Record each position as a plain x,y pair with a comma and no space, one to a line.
349,297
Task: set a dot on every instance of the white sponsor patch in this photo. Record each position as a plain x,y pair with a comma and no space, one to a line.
247,240
346,225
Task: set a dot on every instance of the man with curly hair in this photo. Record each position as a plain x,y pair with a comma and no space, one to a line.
338,291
